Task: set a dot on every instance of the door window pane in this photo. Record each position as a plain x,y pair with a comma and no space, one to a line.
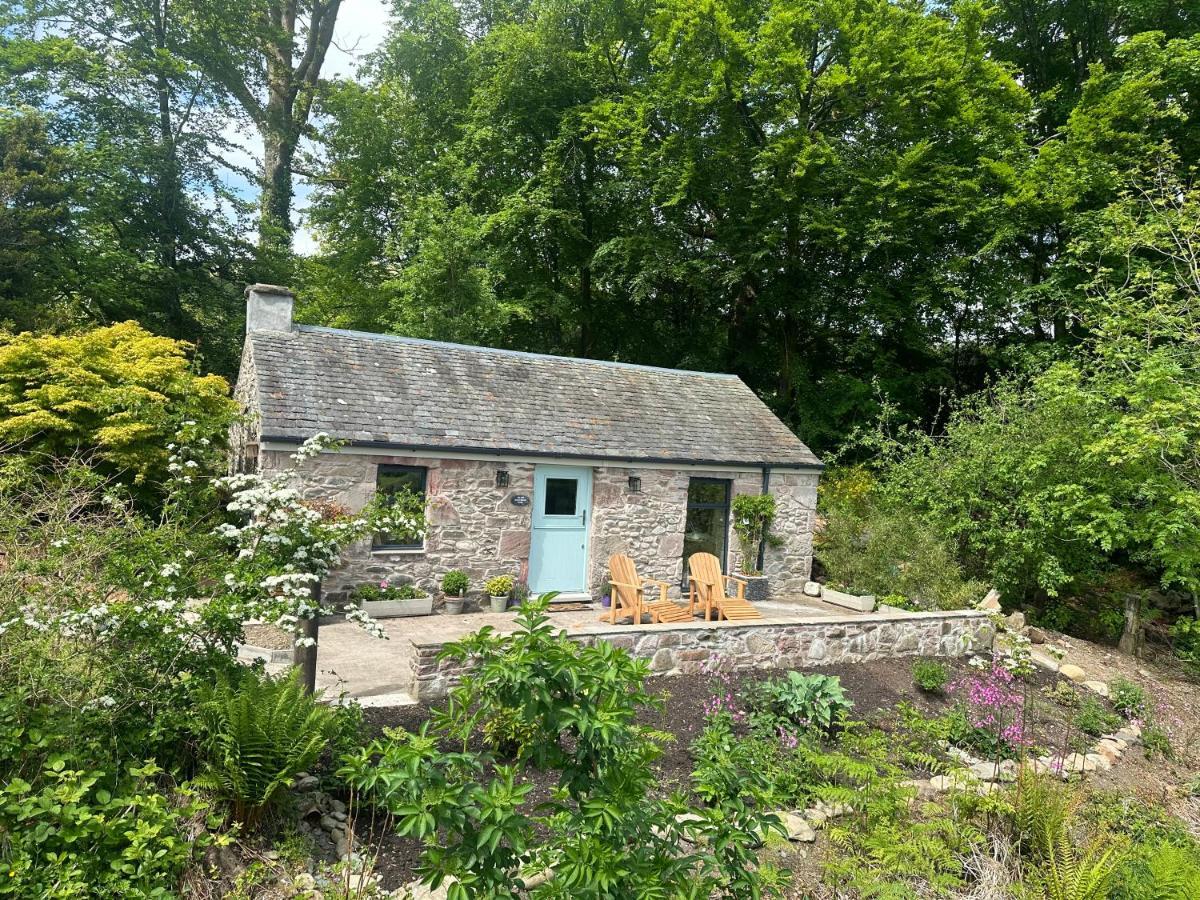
560,496
706,490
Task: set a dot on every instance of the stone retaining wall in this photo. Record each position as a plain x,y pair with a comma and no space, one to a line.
796,644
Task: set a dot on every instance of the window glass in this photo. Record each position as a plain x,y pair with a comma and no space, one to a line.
707,490
393,480
707,521
560,496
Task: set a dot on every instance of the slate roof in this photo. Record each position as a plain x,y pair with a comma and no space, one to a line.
406,393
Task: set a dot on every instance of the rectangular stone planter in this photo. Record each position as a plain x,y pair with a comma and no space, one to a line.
865,603
386,609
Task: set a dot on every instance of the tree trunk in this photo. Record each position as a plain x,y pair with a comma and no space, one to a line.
1132,640
305,658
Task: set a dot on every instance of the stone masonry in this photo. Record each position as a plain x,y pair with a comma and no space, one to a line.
684,650
474,526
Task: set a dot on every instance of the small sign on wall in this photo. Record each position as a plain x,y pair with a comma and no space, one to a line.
519,500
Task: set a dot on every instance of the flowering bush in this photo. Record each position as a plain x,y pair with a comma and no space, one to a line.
283,546
994,708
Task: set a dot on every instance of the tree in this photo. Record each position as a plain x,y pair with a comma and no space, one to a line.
117,394
268,56
137,134
804,195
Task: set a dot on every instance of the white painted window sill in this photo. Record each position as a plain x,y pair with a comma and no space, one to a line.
398,551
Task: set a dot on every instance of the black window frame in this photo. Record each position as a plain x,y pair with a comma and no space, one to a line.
725,505
389,468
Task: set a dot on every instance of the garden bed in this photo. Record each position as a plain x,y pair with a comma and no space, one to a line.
877,688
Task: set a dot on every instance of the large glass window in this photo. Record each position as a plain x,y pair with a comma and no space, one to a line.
389,482
707,519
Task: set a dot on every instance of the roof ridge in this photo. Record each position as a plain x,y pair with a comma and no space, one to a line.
425,342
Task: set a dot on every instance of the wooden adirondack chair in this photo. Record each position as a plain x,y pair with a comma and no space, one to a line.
707,588
629,595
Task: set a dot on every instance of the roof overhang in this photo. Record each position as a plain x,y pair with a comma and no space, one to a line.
284,442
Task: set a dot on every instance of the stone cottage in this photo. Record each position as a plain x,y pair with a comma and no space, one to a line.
538,466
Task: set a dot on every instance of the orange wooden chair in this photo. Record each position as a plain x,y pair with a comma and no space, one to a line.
629,595
707,587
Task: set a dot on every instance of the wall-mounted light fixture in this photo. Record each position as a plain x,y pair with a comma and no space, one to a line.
502,478
635,484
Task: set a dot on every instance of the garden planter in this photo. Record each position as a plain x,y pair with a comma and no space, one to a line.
384,609
849,601
499,604
454,605
756,587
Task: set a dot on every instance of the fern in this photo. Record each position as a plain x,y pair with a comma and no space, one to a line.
1069,873
259,733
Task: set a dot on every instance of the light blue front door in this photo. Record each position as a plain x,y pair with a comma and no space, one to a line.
562,499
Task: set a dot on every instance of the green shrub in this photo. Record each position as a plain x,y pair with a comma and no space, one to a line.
508,732
258,734
1156,742
1092,718
81,833
752,518
118,393
1128,698
874,549
930,675
499,586
1185,642
798,701
455,583
1063,693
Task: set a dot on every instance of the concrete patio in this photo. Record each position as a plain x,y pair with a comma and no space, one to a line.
793,632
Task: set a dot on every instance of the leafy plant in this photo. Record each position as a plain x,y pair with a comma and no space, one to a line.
1092,718
1185,641
1128,698
1157,742
930,675
385,590
81,833
798,701
455,583
499,586
258,734
1063,693
752,518
508,732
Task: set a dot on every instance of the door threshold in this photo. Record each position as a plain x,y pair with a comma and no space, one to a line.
568,597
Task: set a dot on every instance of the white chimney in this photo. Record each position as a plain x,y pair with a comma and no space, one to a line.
268,308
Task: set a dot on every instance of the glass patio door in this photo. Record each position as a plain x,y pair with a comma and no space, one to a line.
707,526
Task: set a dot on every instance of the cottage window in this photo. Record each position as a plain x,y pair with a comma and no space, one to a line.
393,480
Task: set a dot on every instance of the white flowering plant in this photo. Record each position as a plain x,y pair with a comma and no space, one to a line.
284,544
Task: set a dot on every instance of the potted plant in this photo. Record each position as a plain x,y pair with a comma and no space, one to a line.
498,589
454,586
752,518
386,599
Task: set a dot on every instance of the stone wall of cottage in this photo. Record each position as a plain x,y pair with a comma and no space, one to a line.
686,650
474,526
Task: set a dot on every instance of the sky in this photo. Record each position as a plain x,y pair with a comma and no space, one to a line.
361,28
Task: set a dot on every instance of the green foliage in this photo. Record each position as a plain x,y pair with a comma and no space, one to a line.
1157,742
606,830
752,518
800,702
1185,641
508,733
1160,870
499,586
887,551
386,591
763,765
116,394
930,675
455,583
1094,719
78,832
258,734
1064,694
1128,698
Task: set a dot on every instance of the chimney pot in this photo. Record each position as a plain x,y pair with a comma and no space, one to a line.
268,308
